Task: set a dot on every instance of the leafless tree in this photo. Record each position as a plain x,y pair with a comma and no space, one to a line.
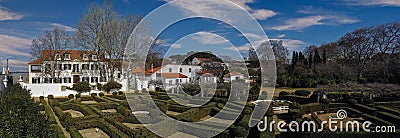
103,31
54,42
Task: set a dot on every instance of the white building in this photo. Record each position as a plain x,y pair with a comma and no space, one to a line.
233,76
69,67
170,75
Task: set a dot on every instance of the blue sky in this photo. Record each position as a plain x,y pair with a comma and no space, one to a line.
298,23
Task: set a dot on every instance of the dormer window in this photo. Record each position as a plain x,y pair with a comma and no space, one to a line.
94,57
67,57
85,57
57,56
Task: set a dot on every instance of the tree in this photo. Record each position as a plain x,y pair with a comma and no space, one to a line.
103,31
81,87
19,115
111,85
54,41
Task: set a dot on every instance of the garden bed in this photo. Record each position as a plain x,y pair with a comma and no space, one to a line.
91,133
74,113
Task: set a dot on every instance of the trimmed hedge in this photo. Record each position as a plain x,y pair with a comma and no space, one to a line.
194,114
49,113
365,109
376,120
178,108
106,127
81,108
389,117
389,110
56,131
126,130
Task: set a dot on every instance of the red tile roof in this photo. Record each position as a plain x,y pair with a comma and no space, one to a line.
137,70
75,54
232,74
37,61
173,75
151,71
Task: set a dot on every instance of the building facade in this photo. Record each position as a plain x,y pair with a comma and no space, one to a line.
68,67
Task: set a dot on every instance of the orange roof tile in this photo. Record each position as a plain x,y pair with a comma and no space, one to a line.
37,61
173,75
232,74
151,71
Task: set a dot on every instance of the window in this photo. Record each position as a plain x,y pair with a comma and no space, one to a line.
180,70
57,56
190,70
85,66
60,67
94,80
85,79
67,66
35,80
67,56
46,80
170,82
67,80
76,68
94,57
93,67
170,69
36,68
85,57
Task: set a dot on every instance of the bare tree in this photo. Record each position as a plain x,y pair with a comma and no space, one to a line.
103,31
52,43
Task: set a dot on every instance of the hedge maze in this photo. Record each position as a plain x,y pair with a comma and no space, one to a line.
113,116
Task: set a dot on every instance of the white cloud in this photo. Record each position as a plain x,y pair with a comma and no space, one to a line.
177,46
63,27
218,9
10,45
6,14
209,38
308,21
394,3
281,36
263,14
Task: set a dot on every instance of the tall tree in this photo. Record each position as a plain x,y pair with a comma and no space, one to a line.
19,115
54,42
103,31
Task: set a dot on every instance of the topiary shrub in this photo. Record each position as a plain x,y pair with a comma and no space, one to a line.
41,98
352,101
93,94
302,92
144,90
111,85
325,101
70,96
294,105
120,93
368,101
50,96
78,95
239,131
81,87
115,93
101,94
283,93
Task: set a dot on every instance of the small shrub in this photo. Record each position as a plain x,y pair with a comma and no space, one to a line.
111,85
368,101
120,93
325,101
81,87
302,92
239,131
70,96
93,94
78,95
144,90
50,96
283,93
101,94
41,97
352,102
115,93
